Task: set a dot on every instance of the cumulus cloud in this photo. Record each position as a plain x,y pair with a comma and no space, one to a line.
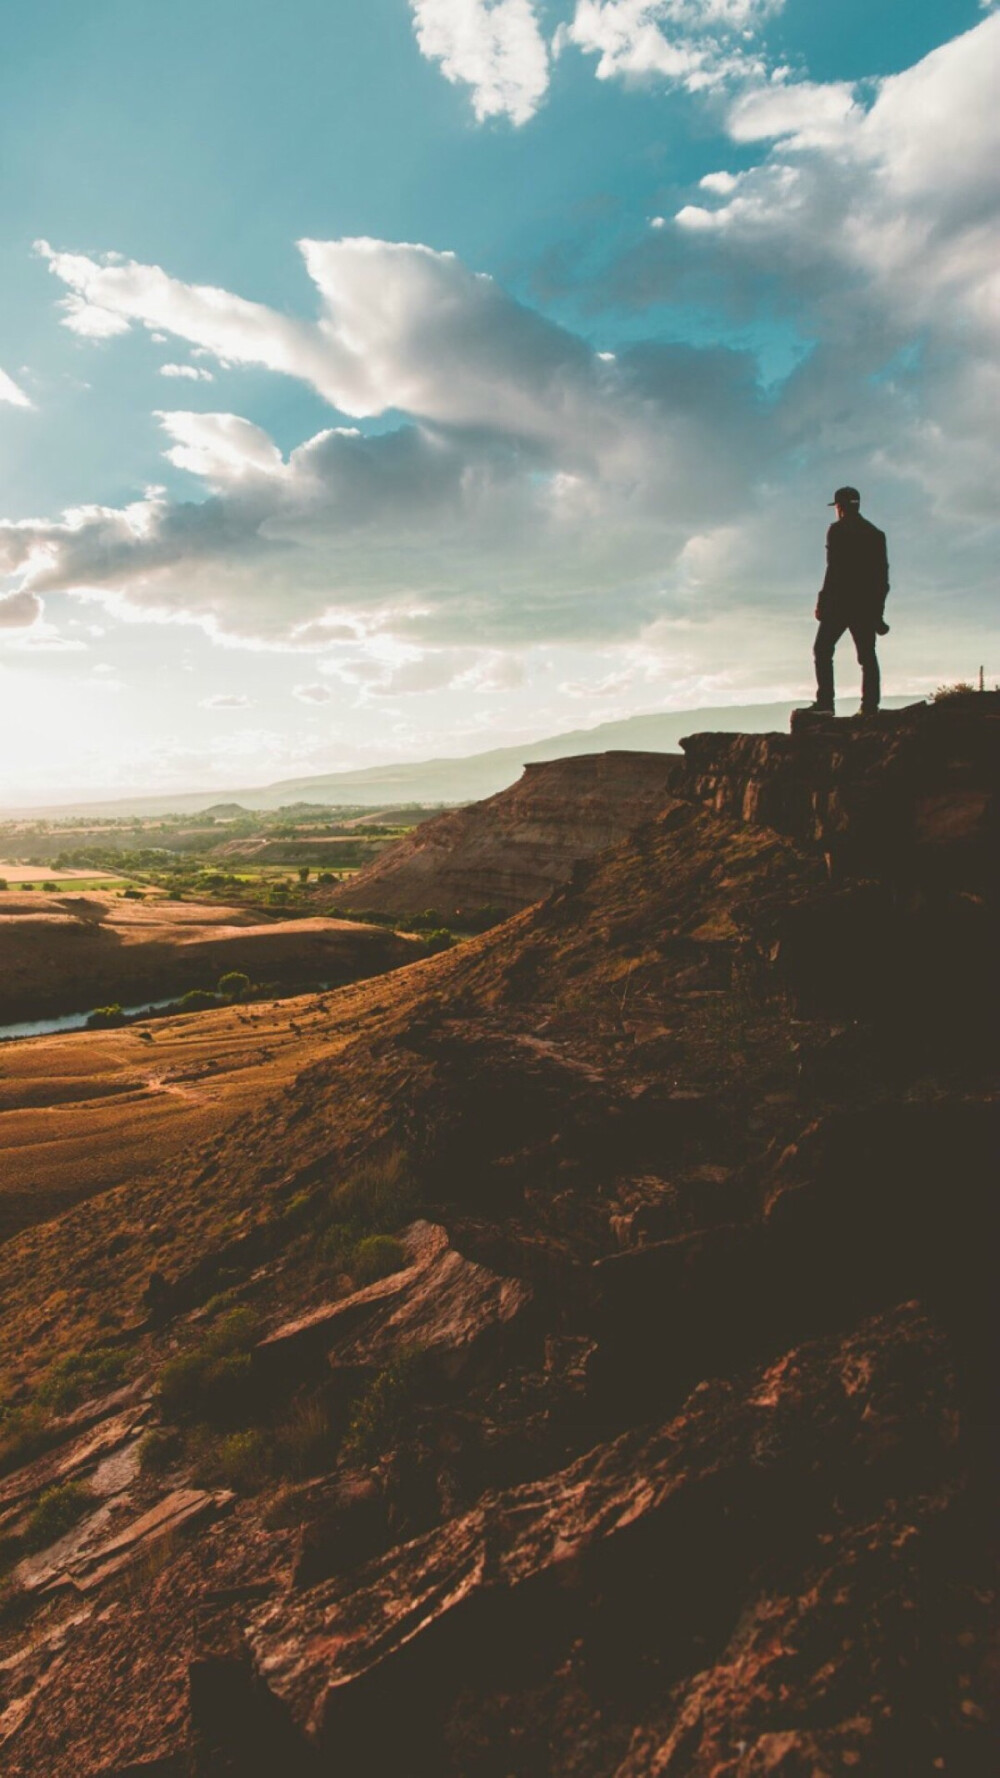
225,700
536,489
695,44
195,373
312,694
495,47
19,610
11,392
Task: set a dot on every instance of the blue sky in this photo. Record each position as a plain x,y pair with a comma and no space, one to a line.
554,445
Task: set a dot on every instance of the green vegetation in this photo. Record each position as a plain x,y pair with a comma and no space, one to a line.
80,1376
107,1018
377,1256
211,1381
379,1412
57,1512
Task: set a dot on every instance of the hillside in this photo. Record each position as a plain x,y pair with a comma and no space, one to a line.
579,1367
70,953
517,846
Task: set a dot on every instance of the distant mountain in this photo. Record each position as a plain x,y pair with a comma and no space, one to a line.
453,780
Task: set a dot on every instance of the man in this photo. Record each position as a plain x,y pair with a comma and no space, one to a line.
852,598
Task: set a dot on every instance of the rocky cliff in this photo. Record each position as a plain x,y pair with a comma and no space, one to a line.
583,1368
515,847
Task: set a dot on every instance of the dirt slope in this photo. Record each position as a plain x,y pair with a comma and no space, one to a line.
69,953
659,1446
515,847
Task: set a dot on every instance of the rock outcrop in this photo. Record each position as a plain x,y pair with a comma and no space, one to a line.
515,847
583,1367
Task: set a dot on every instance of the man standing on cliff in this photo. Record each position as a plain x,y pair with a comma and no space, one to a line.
852,597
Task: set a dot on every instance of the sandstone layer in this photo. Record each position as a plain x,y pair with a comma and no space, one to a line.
515,847
657,1439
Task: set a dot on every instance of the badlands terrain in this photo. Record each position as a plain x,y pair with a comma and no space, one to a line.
571,1357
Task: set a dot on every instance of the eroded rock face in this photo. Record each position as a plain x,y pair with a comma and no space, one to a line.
911,795
694,1478
668,1550
515,847
453,1313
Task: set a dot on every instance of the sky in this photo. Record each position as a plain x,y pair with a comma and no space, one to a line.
386,381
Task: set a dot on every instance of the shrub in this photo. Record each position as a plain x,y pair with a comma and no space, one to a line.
197,1000
158,1452
24,1434
376,1257
240,1461
305,1442
234,985
56,1513
439,940
212,1382
106,1018
81,1375
379,1198
379,1413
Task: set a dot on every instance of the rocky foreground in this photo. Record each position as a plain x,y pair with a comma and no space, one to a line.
583,1367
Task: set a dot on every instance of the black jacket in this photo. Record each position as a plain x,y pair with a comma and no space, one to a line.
857,569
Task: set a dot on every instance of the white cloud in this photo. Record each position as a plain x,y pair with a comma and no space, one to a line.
695,44
193,372
312,694
11,392
223,700
19,610
495,47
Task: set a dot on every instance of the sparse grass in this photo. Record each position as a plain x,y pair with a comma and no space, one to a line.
159,1451
305,1443
241,1460
57,1512
79,1376
376,1257
379,1413
211,1381
24,1434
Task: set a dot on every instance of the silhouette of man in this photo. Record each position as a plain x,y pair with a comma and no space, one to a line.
852,597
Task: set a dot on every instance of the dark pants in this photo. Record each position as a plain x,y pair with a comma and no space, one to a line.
862,630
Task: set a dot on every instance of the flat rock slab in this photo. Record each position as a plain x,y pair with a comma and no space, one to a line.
642,1518
447,1307
84,1559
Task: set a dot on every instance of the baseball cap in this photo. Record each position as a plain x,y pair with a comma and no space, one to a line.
846,497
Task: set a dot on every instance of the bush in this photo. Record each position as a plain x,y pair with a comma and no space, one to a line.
56,1513
379,1198
106,1018
376,1257
212,1381
305,1442
240,1461
24,1434
80,1376
197,1000
379,1413
234,985
439,940
158,1452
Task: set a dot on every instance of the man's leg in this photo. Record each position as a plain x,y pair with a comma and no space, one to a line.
863,634
827,636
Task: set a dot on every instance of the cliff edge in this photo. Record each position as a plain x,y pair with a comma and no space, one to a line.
582,1368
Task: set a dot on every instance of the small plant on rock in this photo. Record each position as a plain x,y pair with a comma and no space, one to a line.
56,1513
